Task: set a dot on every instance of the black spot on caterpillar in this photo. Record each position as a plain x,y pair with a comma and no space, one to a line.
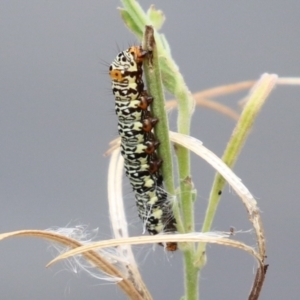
138,143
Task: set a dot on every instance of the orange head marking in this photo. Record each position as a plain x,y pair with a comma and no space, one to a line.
138,53
116,75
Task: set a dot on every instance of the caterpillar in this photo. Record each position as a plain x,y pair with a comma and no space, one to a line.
138,142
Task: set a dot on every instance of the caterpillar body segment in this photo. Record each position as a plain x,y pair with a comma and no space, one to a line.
138,142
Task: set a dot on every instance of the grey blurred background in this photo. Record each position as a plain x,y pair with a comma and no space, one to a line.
57,118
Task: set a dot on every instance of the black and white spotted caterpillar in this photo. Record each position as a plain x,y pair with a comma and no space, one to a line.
138,143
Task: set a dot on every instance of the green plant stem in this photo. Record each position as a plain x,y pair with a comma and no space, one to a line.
191,277
155,89
241,131
183,159
137,14
136,19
